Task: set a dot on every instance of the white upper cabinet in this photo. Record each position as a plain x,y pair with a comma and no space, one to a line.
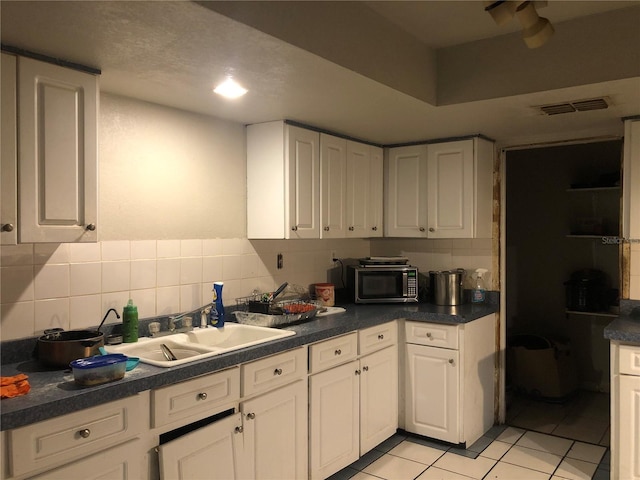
304,184
283,181
9,153
364,190
406,192
333,186
440,190
57,153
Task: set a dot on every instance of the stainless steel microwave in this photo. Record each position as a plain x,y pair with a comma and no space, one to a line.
383,283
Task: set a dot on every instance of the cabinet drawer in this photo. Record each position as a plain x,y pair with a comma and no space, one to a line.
273,371
199,396
68,437
378,337
629,359
333,352
432,334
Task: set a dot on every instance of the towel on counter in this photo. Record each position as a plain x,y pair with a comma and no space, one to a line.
14,386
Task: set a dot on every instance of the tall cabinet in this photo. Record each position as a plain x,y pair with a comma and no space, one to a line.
440,190
49,124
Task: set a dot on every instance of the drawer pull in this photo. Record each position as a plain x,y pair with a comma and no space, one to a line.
358,372
238,429
365,368
202,396
381,337
277,371
428,334
338,352
84,433
251,416
451,361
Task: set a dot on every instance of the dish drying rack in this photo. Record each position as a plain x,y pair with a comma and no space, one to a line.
258,309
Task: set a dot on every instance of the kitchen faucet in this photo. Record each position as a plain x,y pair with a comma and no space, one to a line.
173,320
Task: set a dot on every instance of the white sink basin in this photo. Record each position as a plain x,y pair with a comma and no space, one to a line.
199,343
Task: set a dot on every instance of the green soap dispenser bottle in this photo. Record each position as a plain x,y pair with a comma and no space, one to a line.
130,323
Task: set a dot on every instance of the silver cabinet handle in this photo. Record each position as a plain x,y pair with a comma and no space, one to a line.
431,229
202,396
351,229
375,229
7,227
277,371
381,337
365,368
251,416
358,372
326,229
238,429
428,334
338,352
84,433
422,229
294,228
91,227
451,361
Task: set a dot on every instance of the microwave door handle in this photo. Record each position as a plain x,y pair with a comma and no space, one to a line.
405,281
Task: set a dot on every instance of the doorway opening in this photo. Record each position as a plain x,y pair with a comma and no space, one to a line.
562,285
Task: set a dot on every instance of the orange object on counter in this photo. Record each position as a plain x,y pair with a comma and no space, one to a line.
14,386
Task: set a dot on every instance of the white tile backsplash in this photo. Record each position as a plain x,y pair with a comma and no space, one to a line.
85,278
163,277
51,281
116,250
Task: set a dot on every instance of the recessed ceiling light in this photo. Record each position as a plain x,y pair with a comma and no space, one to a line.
230,89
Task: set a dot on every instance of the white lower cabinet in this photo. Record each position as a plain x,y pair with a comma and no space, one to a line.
354,406
276,434
97,436
449,379
625,411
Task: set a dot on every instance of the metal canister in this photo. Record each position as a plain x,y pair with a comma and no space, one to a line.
446,286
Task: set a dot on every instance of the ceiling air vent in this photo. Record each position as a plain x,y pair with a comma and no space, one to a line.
575,106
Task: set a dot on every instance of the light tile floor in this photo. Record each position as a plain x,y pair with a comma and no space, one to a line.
542,441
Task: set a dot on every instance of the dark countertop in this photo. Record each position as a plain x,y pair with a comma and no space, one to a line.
625,328
54,393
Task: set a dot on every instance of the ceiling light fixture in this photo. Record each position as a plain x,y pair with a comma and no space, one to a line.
230,89
536,30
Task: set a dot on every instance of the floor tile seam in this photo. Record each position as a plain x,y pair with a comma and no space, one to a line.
461,474
501,457
531,468
513,464
416,461
553,453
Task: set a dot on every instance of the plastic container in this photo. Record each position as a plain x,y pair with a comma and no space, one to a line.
478,293
99,369
130,323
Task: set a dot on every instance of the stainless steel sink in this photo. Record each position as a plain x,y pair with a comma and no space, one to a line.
199,343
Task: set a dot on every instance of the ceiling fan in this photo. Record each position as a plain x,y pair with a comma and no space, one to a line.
536,30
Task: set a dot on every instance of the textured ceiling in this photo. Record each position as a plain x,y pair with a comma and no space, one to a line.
172,53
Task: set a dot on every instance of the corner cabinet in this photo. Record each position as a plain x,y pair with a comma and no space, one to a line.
440,190
449,379
55,198
304,184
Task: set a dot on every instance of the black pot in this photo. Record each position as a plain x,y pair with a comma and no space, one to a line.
58,348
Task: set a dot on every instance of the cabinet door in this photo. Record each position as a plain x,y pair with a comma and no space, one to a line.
303,182
378,397
213,452
406,192
629,428
334,417
124,462
450,189
432,392
333,186
358,190
9,153
57,153
276,433
375,192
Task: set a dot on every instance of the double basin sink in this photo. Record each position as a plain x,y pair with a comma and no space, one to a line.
199,343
